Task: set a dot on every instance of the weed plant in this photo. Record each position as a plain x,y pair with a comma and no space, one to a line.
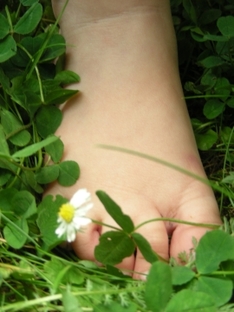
37,275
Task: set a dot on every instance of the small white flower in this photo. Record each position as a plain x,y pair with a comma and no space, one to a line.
72,215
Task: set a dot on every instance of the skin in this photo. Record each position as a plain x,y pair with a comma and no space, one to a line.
131,96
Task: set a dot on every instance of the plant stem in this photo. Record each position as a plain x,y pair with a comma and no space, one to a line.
206,225
19,306
214,185
9,19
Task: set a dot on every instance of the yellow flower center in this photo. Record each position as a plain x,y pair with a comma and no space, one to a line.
67,212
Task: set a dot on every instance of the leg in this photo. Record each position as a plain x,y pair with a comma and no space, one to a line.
125,53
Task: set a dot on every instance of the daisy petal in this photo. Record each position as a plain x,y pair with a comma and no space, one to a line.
80,197
71,234
61,229
70,223
84,209
81,221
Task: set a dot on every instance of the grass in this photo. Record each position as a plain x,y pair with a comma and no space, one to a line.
36,277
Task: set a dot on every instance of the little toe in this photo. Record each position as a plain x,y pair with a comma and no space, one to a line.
203,211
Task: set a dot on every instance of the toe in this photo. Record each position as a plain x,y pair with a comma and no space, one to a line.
155,233
201,210
182,240
127,263
86,241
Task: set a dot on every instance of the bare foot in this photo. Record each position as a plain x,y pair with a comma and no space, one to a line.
125,53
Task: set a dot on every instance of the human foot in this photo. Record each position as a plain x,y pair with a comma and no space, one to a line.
131,97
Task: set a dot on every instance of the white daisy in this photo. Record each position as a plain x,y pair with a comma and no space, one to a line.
72,215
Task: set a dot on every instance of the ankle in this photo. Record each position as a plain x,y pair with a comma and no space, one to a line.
81,12
115,18
131,41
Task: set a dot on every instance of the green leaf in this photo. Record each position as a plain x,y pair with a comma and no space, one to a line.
32,149
9,121
144,248
4,274
47,120
56,46
66,77
29,180
209,79
211,37
212,61
158,289
197,34
209,16
181,275
70,302
4,26
20,93
229,179
22,138
226,134
206,140
223,48
4,80
6,163
226,25
47,174
59,96
7,48
115,212
15,129
24,204
29,21
213,248
16,234
52,268
230,102
220,290
114,247
55,150
5,175
223,88
47,219
72,274
28,2
188,300
4,149
5,204
32,45
89,264
50,84
69,172
116,307
31,103
189,8
112,270
213,108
